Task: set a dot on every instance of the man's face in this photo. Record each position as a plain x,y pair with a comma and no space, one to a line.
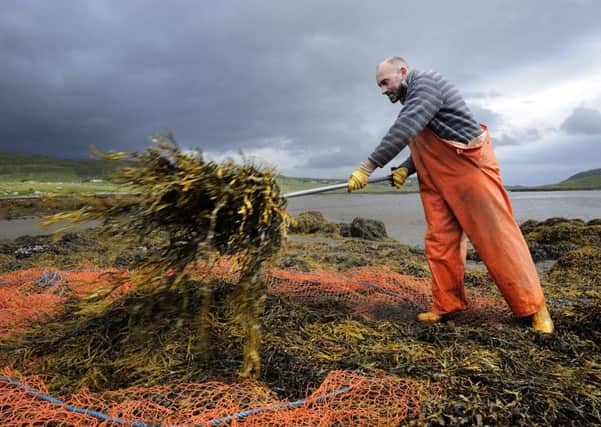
389,78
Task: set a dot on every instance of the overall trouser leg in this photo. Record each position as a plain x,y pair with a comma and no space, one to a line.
446,251
468,180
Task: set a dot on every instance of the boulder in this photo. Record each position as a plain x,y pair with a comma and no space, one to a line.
369,229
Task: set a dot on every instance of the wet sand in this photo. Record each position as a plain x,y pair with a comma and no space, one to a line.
13,228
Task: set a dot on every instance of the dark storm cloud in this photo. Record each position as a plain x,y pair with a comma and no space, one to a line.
583,121
237,75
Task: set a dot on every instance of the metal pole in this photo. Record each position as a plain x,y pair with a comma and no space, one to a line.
330,188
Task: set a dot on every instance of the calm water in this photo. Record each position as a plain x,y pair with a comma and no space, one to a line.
402,213
404,217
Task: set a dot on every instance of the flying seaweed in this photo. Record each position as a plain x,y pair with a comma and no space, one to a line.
187,208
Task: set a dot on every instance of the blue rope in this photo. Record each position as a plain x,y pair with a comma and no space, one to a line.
274,407
72,408
49,278
213,422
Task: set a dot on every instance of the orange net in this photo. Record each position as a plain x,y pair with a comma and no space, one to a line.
378,293
35,295
344,398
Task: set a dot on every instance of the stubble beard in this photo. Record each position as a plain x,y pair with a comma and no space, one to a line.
396,96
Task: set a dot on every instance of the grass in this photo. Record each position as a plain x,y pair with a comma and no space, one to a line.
31,188
25,174
28,167
585,183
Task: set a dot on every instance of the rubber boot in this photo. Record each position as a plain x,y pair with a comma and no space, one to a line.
429,317
541,321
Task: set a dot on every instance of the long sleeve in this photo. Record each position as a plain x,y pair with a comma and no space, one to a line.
422,103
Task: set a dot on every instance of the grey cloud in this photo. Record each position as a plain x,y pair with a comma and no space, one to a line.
505,139
560,157
235,75
480,94
486,116
517,137
337,158
583,121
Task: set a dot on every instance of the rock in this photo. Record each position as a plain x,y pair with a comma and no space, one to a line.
292,262
344,228
74,238
369,229
132,257
417,250
28,251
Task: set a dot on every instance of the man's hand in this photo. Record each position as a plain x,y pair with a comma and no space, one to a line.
358,178
398,177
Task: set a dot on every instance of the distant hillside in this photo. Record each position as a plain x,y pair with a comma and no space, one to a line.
585,174
17,168
29,167
586,180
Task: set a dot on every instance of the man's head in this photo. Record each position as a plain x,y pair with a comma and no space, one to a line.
390,77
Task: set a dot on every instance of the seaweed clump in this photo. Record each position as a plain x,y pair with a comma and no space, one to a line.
190,211
554,237
312,222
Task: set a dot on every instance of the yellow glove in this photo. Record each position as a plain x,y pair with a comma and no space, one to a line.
399,175
358,179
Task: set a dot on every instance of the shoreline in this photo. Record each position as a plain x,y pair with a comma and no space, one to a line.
336,192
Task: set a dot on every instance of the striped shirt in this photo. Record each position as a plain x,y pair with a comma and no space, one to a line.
428,101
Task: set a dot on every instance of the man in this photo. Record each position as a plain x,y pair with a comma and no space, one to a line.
461,191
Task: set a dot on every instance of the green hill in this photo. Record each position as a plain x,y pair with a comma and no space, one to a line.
23,174
587,180
20,167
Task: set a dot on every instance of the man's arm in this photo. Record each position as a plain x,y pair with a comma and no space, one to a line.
424,100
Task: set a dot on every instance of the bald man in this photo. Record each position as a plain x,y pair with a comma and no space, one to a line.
461,191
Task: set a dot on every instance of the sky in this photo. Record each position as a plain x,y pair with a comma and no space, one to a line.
291,84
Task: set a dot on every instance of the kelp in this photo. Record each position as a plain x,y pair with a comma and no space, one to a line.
312,222
554,237
491,373
191,210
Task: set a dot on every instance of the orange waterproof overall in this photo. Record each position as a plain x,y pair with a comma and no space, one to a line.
461,190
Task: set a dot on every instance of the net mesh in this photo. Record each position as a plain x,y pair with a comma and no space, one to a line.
344,397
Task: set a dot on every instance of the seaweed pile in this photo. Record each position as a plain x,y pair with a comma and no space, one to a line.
490,373
191,210
575,245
